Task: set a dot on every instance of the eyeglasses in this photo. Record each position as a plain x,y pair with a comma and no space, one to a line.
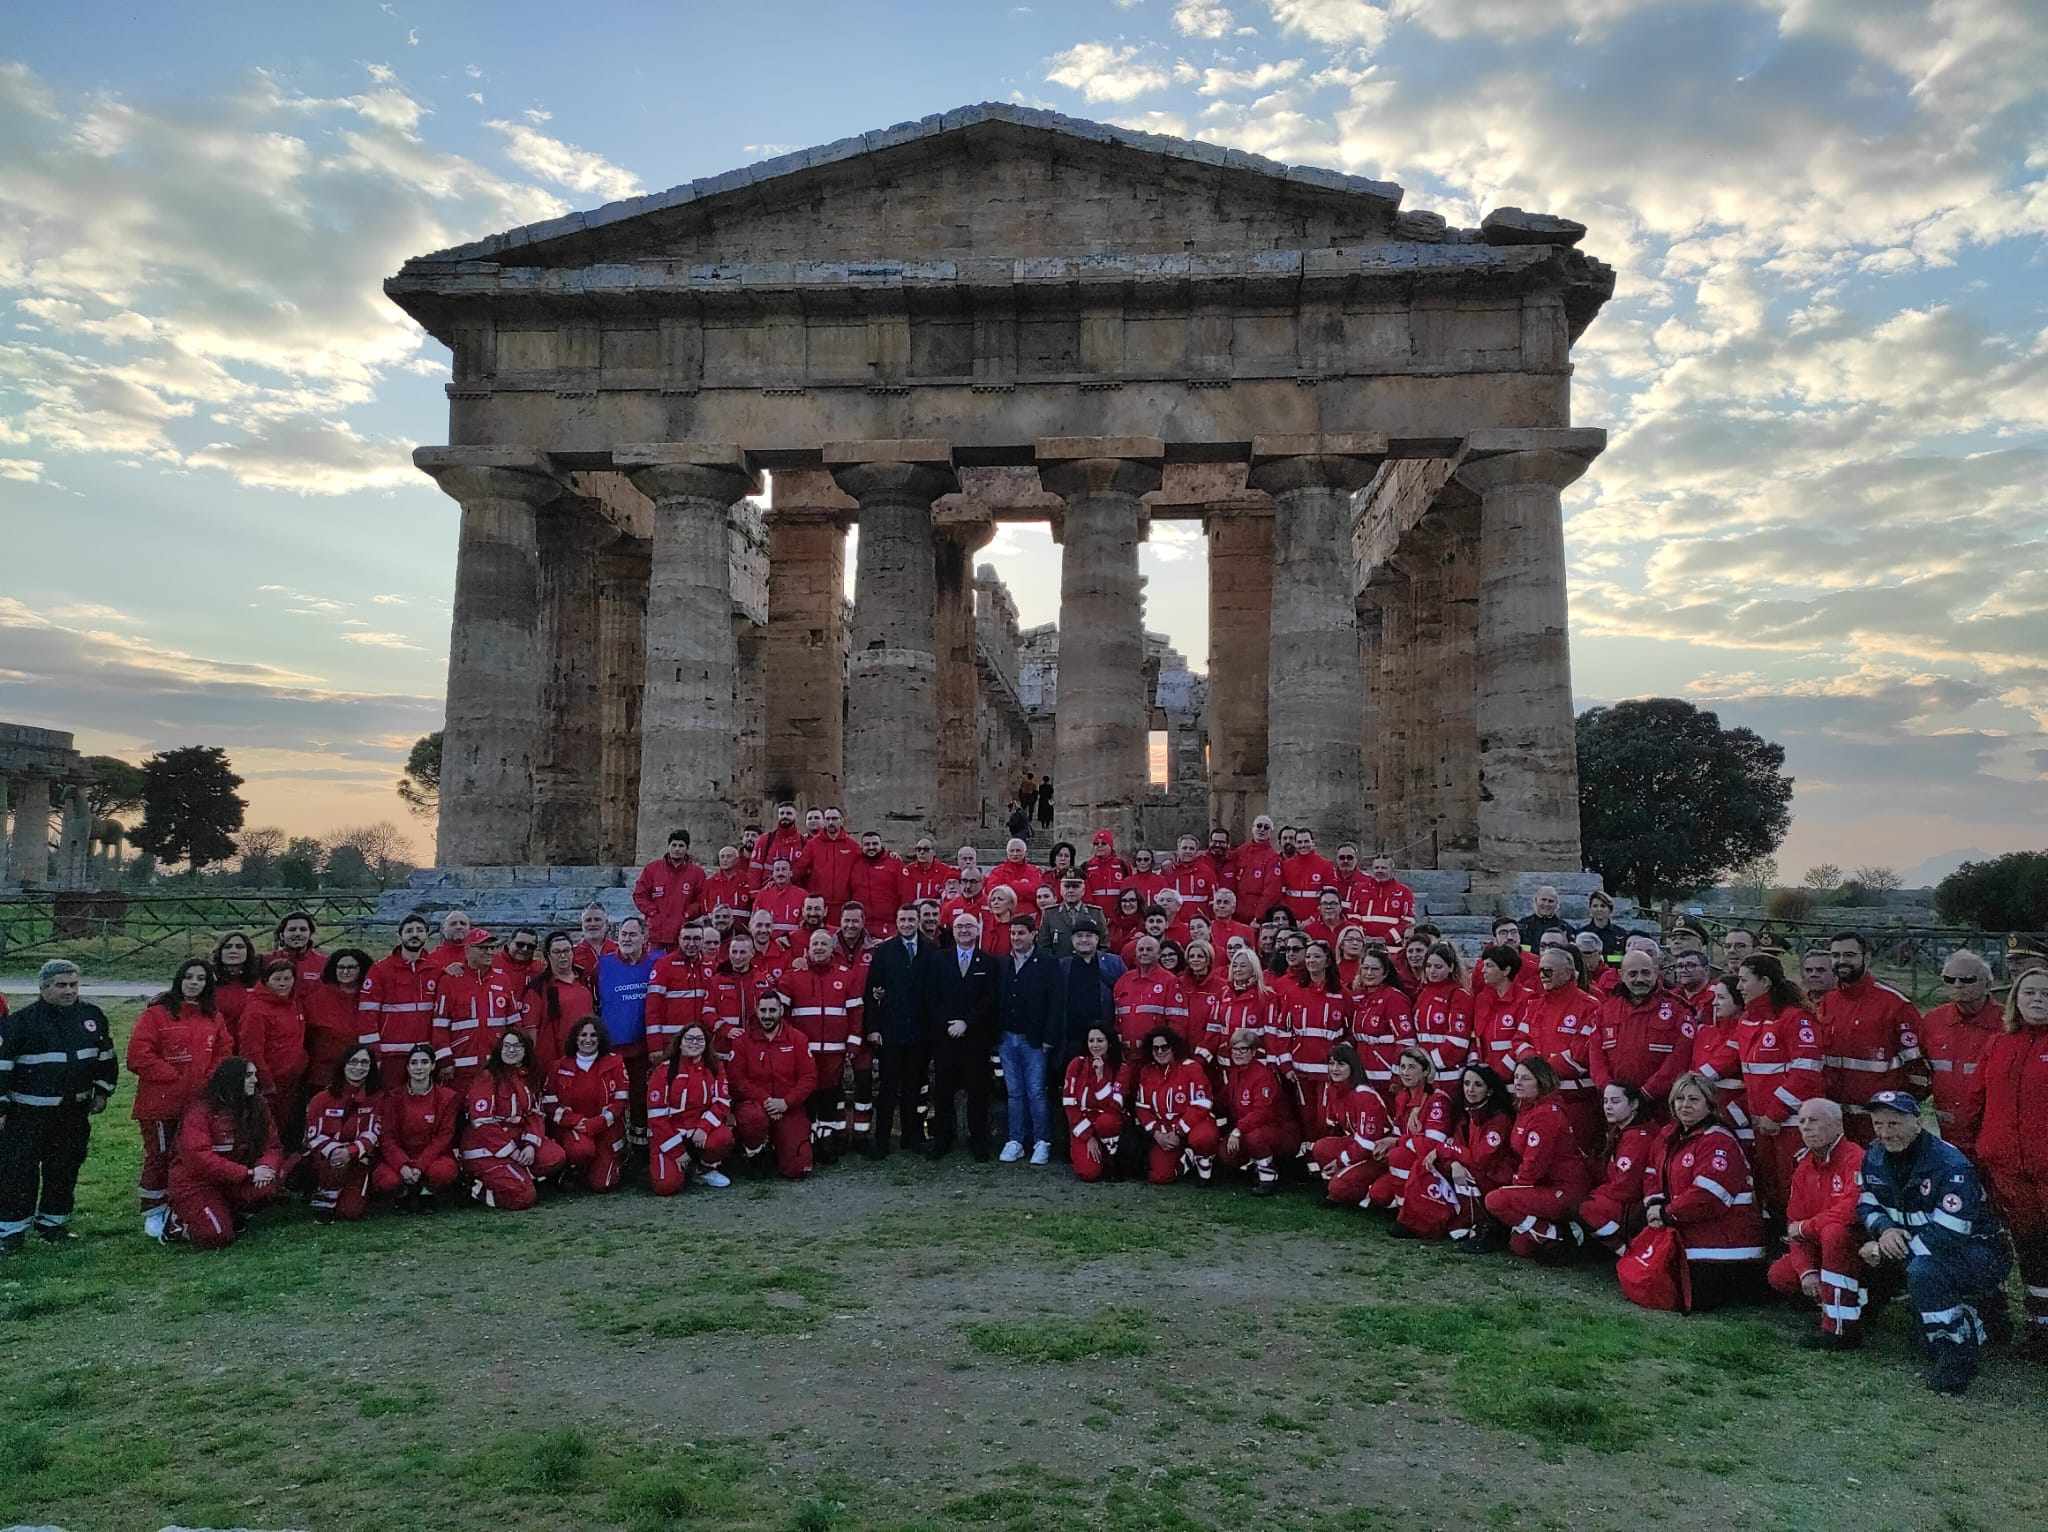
1968,978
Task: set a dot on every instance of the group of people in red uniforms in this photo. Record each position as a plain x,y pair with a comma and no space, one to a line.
1248,1010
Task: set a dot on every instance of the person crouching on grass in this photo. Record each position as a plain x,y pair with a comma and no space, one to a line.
228,1163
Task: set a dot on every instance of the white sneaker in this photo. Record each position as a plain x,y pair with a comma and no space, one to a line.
153,1222
714,1178
1012,1152
1041,1153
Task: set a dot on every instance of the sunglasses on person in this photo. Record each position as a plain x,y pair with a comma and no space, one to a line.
1966,978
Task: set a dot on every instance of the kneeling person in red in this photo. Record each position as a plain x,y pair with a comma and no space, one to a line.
1821,1231
689,1115
772,1078
1262,1125
342,1131
585,1106
228,1161
416,1154
1175,1111
505,1148
1541,1202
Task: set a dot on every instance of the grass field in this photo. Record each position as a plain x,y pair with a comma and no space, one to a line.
906,1346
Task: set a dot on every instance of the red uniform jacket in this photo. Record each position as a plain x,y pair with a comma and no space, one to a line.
172,1057
1500,1027
500,1113
1702,1178
274,1040
228,995
1955,1045
1253,873
666,895
584,957
1624,1162
678,993
1357,1115
777,843
825,1005
1443,1026
445,957
397,1007
1563,1025
1870,1041
925,880
1021,878
1825,1190
1303,877
1094,1099
334,1024
728,890
784,903
1646,1043
572,1001
1253,1008
2007,1111
348,1118
734,995
691,1097
768,1068
877,885
592,1100
1487,1146
1257,1102
1717,1054
475,1009
1317,1020
1195,882
1547,1151
210,1153
416,1129
1781,1059
1149,999
1386,910
825,868
308,965
1422,1117
1169,1095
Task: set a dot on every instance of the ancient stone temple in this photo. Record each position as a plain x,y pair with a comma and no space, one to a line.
43,782
999,314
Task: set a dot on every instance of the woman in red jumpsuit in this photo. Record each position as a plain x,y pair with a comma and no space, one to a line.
504,1147
1613,1209
343,1126
1340,1146
1540,1203
689,1115
1447,1191
1443,1011
1382,1019
333,1021
556,999
177,1044
1206,983
416,1154
273,1038
1175,1111
1350,948
1262,1128
235,973
1699,1185
2007,1110
1421,1122
1319,1014
1095,1104
1246,1002
584,1102
228,1161
1717,1056
1126,920
1779,1043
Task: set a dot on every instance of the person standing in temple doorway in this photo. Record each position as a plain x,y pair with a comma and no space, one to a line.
1045,803
1027,790
1019,820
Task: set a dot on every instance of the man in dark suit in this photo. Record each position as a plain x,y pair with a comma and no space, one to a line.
961,987
893,1005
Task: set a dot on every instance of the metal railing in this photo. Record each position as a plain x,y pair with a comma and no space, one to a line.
1905,954
116,934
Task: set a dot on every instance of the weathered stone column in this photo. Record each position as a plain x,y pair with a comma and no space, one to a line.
622,672
1372,790
1391,592
1528,760
32,829
74,835
493,728
10,795
958,679
566,793
1316,696
689,728
1102,717
1240,630
804,653
1458,784
893,722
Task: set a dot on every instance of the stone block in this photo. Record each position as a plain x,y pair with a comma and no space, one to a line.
905,450
1066,449
1512,226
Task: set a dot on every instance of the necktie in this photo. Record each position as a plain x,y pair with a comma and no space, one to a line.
965,955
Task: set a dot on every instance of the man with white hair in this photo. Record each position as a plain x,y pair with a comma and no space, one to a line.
1822,1234
1543,917
960,1028
1954,1037
58,1070
1016,873
1254,871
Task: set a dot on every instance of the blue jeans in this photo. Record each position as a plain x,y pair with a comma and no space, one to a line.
1024,1084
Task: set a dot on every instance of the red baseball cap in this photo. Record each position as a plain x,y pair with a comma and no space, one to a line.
1104,838
480,938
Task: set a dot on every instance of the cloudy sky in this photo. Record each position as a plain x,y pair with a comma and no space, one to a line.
1825,371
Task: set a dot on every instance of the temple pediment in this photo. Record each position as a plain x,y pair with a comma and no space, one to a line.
983,180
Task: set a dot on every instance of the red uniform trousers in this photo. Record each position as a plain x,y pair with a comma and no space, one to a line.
1199,1137
790,1134
1105,1132
208,1212
1259,1147
1833,1254
436,1174
668,1162
1539,1218
593,1151
159,1137
502,1182
1392,1176
1606,1219
1435,1207
342,1193
1349,1185
2023,1201
1773,1158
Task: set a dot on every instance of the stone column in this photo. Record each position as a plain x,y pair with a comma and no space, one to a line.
958,680
622,671
1240,630
9,796
1528,760
1372,790
74,837
1316,696
1102,717
493,729
1458,783
892,715
1392,706
689,728
32,829
1422,555
804,654
567,798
